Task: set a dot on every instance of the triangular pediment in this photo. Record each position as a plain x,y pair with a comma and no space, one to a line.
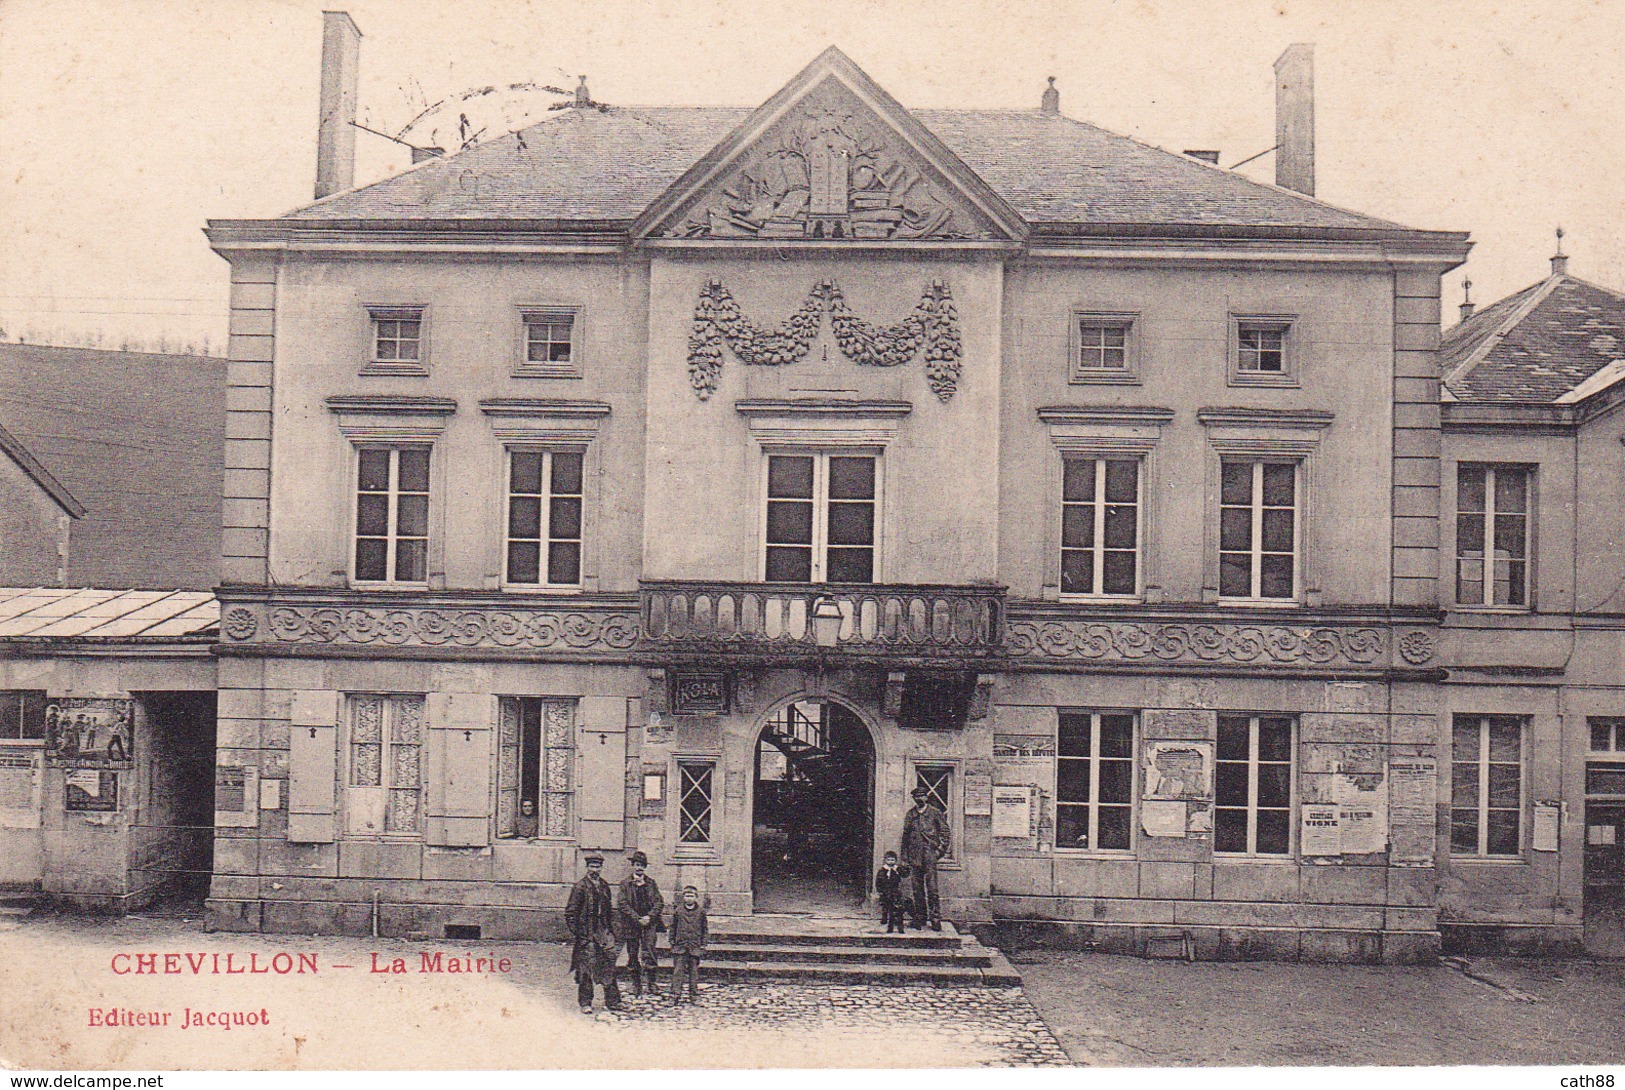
830,158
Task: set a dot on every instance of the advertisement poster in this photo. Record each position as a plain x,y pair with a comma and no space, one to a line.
90,732
91,791
1413,794
1012,812
1177,771
1320,834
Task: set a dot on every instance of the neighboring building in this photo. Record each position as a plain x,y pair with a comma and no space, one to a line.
110,471
705,480
1535,633
135,440
36,515
106,742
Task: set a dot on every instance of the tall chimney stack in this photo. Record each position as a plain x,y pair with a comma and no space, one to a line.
335,135
1295,118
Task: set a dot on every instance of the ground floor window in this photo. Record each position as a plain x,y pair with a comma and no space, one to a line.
535,761
22,715
1252,811
695,792
1486,785
938,780
1094,780
386,766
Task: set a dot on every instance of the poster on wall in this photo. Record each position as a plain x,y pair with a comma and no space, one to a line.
1013,812
1321,834
1412,797
90,790
1178,771
20,790
1362,811
1544,837
90,732
978,795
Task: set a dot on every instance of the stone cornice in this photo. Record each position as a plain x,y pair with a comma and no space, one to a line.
1239,417
1104,414
822,406
532,407
391,405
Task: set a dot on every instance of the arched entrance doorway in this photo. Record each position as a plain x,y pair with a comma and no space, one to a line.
813,818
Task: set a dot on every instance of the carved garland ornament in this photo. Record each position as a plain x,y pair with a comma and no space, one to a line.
1277,644
933,326
460,628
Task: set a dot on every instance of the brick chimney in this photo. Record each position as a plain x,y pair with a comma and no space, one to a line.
335,133
1050,102
1295,118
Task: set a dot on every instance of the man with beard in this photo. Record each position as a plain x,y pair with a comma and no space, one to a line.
639,909
925,840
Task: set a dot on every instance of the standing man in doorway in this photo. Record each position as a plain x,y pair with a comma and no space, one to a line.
590,915
925,840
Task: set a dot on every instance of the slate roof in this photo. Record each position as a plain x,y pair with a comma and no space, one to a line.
609,164
1537,345
138,440
38,613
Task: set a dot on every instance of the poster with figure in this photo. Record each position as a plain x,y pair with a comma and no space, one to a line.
90,732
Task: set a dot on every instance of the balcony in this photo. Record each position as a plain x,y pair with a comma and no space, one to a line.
896,625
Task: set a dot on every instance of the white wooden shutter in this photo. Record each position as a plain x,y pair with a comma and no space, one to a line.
459,768
601,790
312,766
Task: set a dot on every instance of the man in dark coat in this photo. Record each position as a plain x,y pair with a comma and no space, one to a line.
639,910
925,840
590,915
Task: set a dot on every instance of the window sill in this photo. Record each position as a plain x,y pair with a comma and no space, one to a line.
362,584
575,373
1252,860
1492,860
696,857
1103,378
545,841
1262,603
1264,379
542,591
1102,599
1495,611
411,370
1095,853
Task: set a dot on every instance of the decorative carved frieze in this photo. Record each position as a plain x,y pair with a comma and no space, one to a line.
418,626
932,328
1211,643
827,173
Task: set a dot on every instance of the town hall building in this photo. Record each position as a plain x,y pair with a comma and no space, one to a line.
703,481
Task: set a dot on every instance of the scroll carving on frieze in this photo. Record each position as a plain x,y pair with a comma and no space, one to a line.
932,328
828,174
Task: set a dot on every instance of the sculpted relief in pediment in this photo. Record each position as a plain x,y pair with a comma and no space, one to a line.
828,172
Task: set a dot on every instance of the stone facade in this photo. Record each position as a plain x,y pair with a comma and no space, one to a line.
893,308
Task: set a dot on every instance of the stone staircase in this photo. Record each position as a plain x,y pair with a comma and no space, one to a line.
845,951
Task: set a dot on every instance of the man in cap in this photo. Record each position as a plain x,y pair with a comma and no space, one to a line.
925,840
590,915
639,910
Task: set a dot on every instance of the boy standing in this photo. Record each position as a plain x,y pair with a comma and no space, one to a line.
889,885
689,931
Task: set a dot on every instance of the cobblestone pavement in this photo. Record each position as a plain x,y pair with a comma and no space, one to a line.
1000,1020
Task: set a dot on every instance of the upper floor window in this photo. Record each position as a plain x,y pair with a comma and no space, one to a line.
1258,529
392,515
1103,348
1492,535
1100,526
544,518
1252,790
398,340
535,778
22,715
1094,780
1261,352
821,518
550,343
1486,785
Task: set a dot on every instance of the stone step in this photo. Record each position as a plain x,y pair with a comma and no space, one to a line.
858,973
976,956
913,940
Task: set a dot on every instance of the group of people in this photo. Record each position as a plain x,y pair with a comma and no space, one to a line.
603,919
908,888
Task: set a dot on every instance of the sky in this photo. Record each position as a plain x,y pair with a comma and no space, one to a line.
126,126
